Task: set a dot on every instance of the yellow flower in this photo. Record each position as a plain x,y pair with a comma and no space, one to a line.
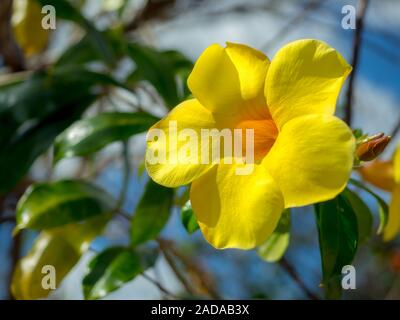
303,154
27,27
386,176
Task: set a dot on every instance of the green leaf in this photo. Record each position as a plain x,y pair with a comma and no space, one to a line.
161,69
188,218
276,245
112,268
84,52
363,213
382,205
61,248
49,205
90,135
338,240
34,112
152,213
67,11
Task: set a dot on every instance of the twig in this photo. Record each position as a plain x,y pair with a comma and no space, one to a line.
396,129
362,8
175,268
7,219
15,254
9,49
189,265
292,273
127,173
159,286
311,5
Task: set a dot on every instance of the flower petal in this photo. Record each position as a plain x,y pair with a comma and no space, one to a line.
225,80
236,211
305,77
311,159
162,155
379,173
396,164
393,225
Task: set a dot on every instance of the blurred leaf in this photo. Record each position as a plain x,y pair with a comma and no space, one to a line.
90,135
382,205
277,243
152,213
67,11
188,218
34,112
61,248
162,70
112,268
84,52
338,240
363,213
49,205
27,27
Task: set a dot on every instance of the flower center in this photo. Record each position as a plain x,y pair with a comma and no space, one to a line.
265,134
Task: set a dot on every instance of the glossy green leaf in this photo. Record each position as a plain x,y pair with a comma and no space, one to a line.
114,267
60,248
152,213
49,205
162,69
188,218
92,134
67,11
338,240
34,112
363,213
84,52
382,205
276,245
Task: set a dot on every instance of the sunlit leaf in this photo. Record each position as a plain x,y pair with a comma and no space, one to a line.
60,248
338,240
114,267
277,243
152,213
49,205
188,218
92,134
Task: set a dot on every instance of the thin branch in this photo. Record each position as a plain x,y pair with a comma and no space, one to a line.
175,268
362,9
127,173
284,263
292,23
7,219
204,281
15,252
159,286
396,129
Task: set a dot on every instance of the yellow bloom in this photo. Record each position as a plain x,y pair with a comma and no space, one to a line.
386,176
27,27
303,153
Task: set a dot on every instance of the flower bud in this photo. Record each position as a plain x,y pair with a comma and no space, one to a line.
372,147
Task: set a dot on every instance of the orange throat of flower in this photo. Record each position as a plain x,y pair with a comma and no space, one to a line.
264,136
